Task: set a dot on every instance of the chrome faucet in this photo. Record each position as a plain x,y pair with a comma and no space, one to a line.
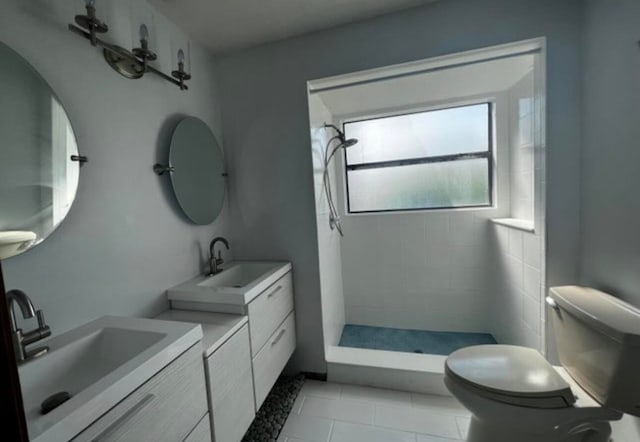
22,340
216,262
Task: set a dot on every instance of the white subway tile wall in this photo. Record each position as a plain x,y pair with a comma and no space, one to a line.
428,270
518,264
329,256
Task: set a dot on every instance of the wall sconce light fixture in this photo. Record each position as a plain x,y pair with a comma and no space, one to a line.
130,64
180,74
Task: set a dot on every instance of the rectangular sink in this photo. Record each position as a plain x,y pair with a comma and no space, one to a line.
98,364
238,284
237,275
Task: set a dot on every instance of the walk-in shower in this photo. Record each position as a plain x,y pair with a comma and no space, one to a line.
439,190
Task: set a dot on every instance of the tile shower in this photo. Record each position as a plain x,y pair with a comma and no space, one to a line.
436,280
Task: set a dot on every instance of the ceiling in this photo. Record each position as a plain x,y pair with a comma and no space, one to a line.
423,89
227,25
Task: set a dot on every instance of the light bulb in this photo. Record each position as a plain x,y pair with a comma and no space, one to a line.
144,32
90,3
180,56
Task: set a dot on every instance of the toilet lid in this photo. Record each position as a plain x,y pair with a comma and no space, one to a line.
520,375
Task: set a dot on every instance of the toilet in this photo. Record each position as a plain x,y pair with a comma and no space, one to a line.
515,395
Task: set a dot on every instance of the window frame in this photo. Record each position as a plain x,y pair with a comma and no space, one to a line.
488,155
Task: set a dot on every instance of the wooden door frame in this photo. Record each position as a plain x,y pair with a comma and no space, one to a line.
15,421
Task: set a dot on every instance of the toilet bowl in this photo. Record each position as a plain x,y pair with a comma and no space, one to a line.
515,395
534,403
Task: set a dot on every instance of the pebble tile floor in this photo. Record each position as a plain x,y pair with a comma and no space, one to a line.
328,412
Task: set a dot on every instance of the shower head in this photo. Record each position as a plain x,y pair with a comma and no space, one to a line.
344,143
350,142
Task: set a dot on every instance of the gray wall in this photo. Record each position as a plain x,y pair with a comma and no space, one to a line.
266,126
124,241
610,256
611,150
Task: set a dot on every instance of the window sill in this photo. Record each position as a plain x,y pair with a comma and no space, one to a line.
520,224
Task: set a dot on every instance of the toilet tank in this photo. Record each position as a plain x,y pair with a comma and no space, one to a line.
598,339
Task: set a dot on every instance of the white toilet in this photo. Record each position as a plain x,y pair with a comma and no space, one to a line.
515,395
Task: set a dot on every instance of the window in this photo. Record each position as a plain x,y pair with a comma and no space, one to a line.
427,160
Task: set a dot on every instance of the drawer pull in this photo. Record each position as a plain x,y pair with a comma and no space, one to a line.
131,412
276,290
280,335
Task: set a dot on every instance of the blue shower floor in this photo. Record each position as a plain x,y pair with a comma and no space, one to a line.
411,341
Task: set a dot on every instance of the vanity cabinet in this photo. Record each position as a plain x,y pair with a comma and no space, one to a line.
202,431
268,310
249,336
168,407
271,359
230,388
273,334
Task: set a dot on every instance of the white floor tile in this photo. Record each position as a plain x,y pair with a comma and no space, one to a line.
427,438
348,432
463,426
339,409
297,405
443,404
416,420
327,390
377,395
307,428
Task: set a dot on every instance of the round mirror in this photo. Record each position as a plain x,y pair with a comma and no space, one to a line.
197,170
38,177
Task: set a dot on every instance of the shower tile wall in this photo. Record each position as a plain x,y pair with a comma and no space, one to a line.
518,262
331,296
519,288
424,270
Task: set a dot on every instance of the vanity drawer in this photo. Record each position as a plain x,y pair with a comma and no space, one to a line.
268,310
202,431
165,408
230,384
269,362
231,420
229,366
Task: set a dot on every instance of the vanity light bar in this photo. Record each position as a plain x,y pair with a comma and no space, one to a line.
130,64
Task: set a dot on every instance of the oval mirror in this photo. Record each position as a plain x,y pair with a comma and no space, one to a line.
38,178
197,170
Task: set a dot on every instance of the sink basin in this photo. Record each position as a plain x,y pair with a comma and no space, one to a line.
238,284
237,275
98,364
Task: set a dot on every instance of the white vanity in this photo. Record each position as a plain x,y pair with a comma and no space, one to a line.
128,379
132,379
247,316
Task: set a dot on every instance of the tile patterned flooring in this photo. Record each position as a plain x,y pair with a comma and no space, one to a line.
327,412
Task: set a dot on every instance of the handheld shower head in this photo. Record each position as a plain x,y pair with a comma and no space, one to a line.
334,217
350,142
344,143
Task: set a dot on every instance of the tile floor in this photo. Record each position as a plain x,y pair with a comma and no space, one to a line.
326,412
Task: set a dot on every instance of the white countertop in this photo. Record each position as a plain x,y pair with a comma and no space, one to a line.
217,328
196,290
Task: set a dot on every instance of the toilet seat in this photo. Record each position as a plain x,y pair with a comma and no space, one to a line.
514,375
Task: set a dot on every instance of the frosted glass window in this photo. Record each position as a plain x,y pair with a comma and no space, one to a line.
428,160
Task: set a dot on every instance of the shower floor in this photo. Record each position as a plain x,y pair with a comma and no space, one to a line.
410,341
